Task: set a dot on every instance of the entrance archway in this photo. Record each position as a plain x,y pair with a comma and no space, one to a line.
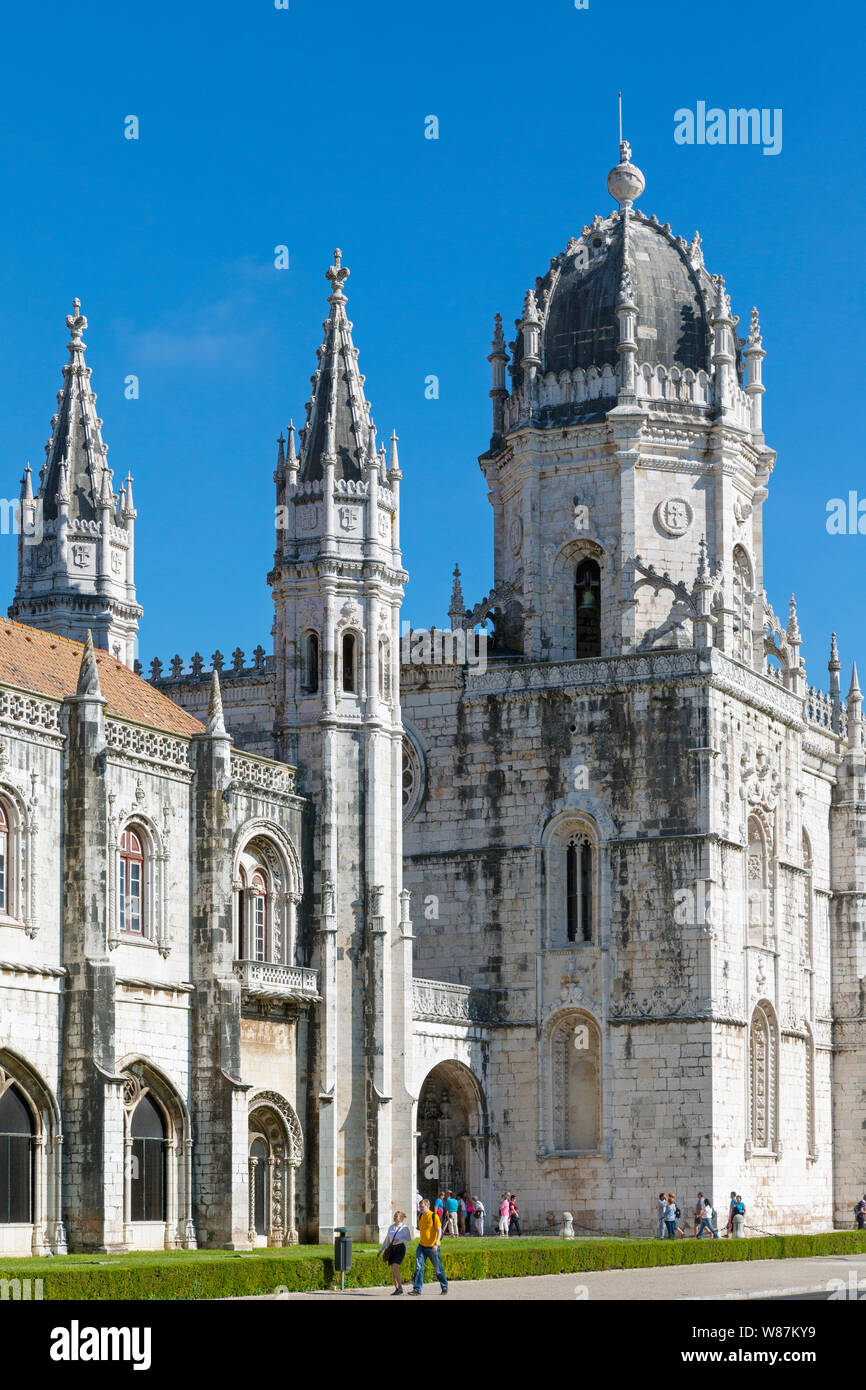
453,1140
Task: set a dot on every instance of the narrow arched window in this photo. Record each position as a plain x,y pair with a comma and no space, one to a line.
5,905
742,606
578,889
147,1175
259,1166
384,669
259,915
587,609
763,1079
575,1064
16,1161
349,646
310,672
132,882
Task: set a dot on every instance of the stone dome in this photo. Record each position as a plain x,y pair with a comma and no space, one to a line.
577,298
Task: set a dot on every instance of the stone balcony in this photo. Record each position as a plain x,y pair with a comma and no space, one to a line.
290,984
436,1001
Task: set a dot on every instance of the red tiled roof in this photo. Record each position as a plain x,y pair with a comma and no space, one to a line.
48,665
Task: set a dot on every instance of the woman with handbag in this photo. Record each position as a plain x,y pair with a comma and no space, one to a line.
393,1248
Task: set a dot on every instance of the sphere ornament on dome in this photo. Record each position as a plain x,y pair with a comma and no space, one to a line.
625,182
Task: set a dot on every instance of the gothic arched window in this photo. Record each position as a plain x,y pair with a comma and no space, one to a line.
742,606
147,1176
16,1161
258,917
579,856
587,609
763,1088
5,905
310,663
132,895
575,1058
808,924
349,655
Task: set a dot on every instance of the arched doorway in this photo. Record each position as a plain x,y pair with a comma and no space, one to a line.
275,1154
453,1141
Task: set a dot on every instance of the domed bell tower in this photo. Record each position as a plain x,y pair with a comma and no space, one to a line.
628,456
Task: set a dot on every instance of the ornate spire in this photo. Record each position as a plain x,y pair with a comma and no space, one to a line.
27,485
703,562
338,424
76,435
755,339
88,674
457,610
394,461
793,630
215,721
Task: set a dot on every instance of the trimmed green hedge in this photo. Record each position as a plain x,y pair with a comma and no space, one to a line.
221,1274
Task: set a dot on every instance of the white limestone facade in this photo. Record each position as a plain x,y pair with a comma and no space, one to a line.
288,938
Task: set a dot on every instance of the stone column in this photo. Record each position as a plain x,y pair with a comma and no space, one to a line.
171,1240
251,1232
39,1245
291,1226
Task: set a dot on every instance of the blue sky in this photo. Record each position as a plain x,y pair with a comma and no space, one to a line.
305,127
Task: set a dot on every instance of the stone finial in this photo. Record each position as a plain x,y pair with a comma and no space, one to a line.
62,497
394,460
88,674
197,664
855,705
128,506
156,669
625,182
793,630
281,453
291,456
703,562
217,660
176,667
696,250
754,340
27,485
215,721
338,274
76,323
530,308
498,343
259,657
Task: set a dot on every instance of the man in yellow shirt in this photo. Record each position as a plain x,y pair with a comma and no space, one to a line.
428,1249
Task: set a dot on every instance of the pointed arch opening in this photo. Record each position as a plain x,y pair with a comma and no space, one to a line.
587,608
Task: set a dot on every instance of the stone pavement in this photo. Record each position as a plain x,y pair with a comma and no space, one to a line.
750,1279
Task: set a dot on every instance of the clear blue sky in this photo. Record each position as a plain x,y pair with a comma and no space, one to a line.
305,127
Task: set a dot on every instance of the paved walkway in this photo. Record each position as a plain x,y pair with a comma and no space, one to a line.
749,1279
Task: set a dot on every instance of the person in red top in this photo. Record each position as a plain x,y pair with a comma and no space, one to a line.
513,1216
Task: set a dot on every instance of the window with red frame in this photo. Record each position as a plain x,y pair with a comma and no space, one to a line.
131,883
259,914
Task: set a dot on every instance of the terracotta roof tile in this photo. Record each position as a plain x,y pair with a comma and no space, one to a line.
49,665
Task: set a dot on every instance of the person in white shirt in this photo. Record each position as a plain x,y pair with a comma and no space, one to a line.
707,1219
393,1248
478,1217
